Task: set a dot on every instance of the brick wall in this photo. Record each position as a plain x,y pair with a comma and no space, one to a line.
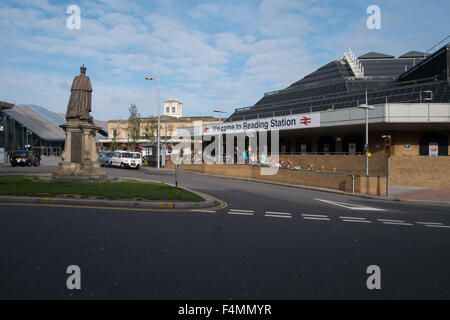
367,185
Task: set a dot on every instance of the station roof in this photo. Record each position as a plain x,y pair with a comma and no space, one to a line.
375,55
45,123
335,85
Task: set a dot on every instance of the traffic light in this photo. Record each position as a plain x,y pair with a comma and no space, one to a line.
387,146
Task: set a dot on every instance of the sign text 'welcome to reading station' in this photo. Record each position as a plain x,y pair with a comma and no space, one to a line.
277,123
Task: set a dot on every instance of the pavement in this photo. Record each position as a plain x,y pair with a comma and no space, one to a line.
266,242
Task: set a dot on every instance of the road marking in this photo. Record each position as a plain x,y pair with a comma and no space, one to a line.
351,220
389,220
237,210
241,213
314,215
277,216
278,213
399,223
431,223
350,206
316,218
436,226
207,211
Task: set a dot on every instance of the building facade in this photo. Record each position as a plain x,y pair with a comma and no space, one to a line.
34,128
169,129
321,118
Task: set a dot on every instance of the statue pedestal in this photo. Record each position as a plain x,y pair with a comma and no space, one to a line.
80,157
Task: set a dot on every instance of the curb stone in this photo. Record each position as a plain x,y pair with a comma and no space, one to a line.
346,193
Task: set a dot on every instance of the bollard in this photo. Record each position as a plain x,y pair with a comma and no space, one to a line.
353,184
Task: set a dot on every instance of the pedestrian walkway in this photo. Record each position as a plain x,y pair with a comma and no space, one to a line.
421,194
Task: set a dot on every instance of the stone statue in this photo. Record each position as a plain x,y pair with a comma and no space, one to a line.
80,98
80,156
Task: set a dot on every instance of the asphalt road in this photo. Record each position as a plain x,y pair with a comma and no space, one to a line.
270,242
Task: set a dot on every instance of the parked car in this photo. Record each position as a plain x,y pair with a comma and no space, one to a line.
24,158
105,158
126,159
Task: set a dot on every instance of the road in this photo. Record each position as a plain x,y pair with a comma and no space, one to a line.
270,242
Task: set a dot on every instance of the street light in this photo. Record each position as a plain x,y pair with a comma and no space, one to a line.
159,124
220,120
366,147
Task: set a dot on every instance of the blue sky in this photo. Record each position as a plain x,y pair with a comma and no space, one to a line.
209,54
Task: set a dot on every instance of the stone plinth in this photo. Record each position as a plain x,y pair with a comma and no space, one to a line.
80,157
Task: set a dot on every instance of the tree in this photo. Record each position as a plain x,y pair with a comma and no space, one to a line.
134,124
114,142
151,127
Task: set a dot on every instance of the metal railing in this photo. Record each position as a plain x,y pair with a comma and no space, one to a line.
335,105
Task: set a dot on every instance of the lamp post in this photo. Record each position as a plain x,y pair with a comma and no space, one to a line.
159,124
220,120
366,146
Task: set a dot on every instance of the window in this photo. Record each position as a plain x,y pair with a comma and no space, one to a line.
433,144
173,109
167,109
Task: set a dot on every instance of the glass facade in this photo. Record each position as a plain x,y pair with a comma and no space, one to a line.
14,136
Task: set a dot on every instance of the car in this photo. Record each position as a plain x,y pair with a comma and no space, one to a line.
104,158
24,158
126,159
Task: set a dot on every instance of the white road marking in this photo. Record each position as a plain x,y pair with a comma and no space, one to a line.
350,206
389,220
399,223
316,218
241,213
431,223
277,216
314,215
279,213
207,211
237,210
436,226
362,221
353,218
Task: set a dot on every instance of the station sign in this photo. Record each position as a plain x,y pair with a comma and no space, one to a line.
290,122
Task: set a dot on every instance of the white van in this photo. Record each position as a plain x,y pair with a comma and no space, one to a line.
126,159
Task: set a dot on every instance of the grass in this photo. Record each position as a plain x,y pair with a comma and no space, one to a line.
24,185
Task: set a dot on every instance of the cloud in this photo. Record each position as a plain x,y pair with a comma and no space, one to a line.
212,54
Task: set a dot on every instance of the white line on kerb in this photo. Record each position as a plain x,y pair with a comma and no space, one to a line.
279,213
351,220
277,216
315,218
241,213
314,215
237,210
207,211
436,226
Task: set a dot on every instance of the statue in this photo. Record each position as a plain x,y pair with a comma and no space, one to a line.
80,98
79,160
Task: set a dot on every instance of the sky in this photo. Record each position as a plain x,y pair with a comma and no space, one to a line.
208,54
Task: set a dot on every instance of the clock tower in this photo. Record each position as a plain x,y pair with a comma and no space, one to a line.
173,108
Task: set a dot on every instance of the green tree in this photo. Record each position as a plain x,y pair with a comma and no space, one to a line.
151,127
114,142
134,124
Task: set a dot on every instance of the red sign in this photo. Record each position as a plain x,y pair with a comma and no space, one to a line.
205,129
305,120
